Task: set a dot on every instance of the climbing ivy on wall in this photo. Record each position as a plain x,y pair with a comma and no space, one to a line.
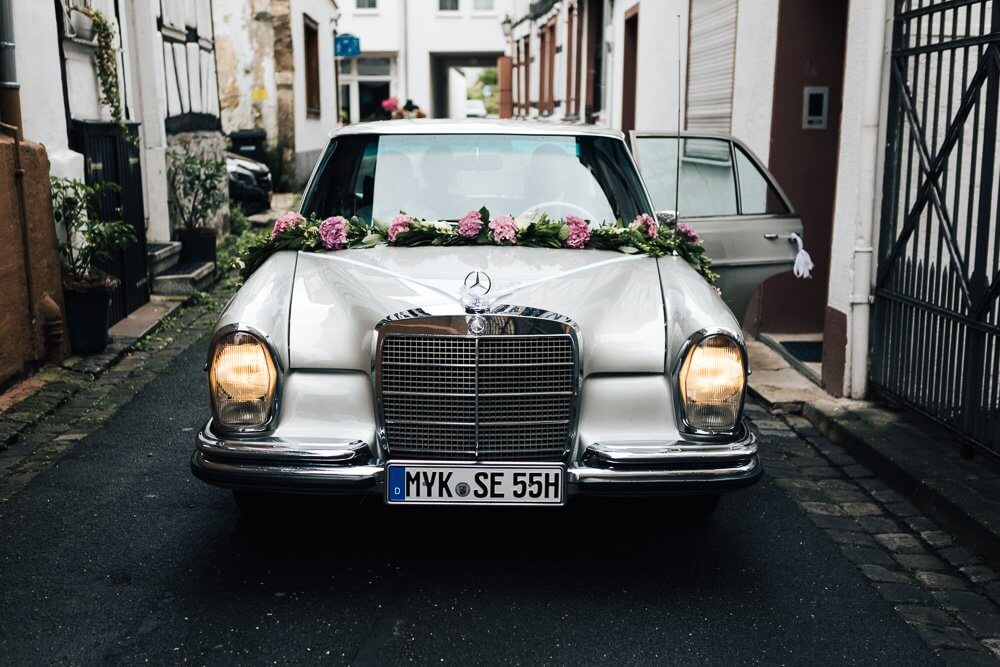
106,60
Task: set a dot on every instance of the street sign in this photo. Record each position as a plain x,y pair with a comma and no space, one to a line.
347,46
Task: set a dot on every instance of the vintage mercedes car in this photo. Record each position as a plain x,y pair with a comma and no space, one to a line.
492,373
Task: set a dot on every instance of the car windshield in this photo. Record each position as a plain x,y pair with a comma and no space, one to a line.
444,176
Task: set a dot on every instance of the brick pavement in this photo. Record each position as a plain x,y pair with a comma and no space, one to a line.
936,585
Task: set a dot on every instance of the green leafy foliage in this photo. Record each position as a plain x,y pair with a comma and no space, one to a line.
198,189
87,240
106,61
542,232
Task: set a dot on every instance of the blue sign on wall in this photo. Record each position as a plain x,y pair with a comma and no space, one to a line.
347,46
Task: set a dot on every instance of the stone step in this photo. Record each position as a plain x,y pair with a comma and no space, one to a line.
162,256
184,279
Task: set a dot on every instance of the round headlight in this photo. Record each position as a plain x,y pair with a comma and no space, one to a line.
712,380
242,379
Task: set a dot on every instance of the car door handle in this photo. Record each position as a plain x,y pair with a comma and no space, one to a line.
770,236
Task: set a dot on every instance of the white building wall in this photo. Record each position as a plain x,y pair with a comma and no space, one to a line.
36,58
753,80
147,81
657,95
312,133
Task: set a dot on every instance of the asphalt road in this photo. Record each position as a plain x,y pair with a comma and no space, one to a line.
117,555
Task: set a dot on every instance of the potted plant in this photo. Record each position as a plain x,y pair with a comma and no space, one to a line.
87,241
198,189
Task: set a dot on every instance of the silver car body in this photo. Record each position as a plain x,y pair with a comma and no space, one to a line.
632,319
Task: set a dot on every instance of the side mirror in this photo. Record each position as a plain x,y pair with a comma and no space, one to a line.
666,218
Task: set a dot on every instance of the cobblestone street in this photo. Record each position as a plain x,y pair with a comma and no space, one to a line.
821,558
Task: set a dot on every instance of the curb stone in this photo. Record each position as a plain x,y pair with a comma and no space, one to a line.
912,455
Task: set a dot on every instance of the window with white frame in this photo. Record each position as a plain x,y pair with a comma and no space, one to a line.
483,5
366,4
365,83
448,5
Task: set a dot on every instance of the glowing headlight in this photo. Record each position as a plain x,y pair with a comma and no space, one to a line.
712,380
242,380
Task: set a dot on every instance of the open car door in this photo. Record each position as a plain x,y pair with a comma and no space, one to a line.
729,198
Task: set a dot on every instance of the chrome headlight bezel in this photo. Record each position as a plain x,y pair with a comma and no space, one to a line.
680,408
220,337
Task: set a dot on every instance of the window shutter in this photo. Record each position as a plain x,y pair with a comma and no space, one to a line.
711,54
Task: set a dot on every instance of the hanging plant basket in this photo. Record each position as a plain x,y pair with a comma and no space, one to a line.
82,25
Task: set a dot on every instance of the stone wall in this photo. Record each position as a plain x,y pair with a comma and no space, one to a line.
29,323
207,146
244,53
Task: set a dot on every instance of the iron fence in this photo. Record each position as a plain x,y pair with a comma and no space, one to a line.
936,326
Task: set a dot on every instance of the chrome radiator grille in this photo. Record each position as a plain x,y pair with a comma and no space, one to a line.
506,397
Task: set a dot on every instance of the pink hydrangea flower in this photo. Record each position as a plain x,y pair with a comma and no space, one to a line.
647,224
504,229
579,232
470,224
398,225
687,231
287,221
390,104
333,232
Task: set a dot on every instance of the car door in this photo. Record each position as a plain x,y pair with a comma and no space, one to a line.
729,198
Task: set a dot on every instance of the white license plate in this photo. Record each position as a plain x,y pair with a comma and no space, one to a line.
416,484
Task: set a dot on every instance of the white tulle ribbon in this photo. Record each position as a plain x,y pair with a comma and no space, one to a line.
463,296
803,262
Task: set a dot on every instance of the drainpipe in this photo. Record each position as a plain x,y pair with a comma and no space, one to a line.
871,173
10,96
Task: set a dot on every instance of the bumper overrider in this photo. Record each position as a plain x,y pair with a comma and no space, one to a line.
625,468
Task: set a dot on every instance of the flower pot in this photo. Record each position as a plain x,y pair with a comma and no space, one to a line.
82,26
88,316
197,245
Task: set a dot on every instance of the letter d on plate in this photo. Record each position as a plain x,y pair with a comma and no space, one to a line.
397,483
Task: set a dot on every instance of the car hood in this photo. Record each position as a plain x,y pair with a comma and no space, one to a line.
339,297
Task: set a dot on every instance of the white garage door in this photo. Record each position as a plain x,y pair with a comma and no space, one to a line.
711,54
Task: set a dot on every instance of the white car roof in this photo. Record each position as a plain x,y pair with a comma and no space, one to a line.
476,126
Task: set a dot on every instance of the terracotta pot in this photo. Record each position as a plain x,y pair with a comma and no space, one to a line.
88,318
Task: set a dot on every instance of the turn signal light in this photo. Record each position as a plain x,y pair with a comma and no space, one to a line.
712,381
242,379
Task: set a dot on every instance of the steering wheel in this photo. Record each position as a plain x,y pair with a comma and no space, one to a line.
533,210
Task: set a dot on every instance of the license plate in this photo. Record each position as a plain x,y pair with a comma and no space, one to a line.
418,484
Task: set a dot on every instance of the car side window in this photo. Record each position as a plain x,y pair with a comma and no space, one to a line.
707,182
757,195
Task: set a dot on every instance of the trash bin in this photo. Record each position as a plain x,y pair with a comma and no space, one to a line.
250,143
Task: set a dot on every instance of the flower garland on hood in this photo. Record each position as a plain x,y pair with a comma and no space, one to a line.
292,231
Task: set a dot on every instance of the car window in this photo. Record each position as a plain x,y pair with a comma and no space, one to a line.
757,195
708,178
444,176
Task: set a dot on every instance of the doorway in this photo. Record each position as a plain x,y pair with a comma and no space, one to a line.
111,158
448,72
805,136
630,59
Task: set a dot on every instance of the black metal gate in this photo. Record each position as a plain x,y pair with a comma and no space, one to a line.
936,328
111,158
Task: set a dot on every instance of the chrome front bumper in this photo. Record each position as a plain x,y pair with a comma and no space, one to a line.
616,469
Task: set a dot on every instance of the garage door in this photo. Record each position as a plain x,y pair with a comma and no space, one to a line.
711,54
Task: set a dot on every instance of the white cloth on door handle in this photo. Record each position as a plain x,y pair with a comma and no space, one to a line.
803,262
